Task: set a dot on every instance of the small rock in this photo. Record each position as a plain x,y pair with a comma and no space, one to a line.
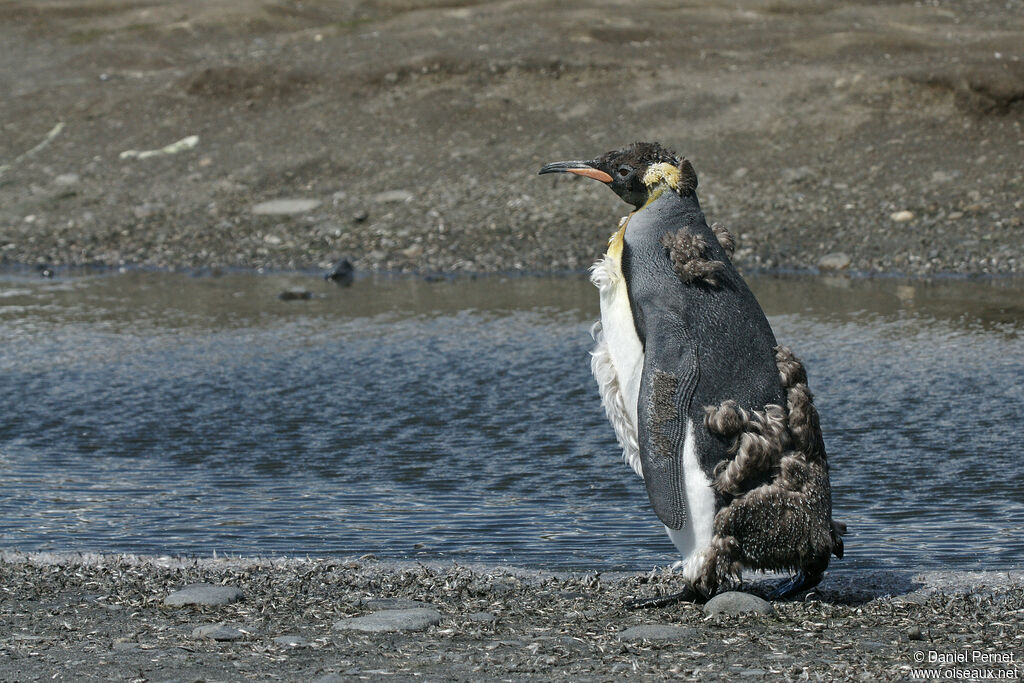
835,261
732,603
67,179
484,617
413,252
285,207
393,196
204,595
914,633
218,632
343,273
417,619
902,216
295,295
657,632
331,678
377,604
796,175
360,216
291,641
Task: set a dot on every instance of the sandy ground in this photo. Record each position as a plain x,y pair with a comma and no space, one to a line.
885,135
94,617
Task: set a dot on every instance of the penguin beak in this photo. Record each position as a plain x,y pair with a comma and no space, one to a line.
579,168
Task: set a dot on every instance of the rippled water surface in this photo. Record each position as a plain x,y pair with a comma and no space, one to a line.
162,413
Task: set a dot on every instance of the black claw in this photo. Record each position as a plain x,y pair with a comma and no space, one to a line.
685,595
800,583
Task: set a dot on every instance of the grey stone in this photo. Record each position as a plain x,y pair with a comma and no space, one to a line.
733,603
220,632
204,595
834,261
393,196
482,616
66,179
330,678
657,632
285,207
796,175
376,604
291,641
417,619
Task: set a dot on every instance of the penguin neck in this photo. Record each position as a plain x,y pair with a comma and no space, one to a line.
655,193
661,190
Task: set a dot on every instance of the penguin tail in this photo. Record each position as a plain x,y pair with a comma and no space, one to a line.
837,531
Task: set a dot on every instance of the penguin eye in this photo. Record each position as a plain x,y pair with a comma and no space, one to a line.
624,171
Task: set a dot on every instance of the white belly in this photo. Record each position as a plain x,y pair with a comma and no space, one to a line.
618,359
618,363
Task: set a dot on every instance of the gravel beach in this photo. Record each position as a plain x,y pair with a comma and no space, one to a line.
96,617
874,137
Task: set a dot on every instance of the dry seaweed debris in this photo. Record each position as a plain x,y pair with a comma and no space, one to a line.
105,615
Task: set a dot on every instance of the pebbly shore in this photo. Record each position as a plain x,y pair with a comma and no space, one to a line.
407,136
122,617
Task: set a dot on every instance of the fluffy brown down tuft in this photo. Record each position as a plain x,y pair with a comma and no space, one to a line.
784,523
686,251
725,238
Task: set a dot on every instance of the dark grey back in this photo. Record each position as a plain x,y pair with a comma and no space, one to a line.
703,344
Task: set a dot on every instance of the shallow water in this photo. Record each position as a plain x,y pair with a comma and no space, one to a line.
162,413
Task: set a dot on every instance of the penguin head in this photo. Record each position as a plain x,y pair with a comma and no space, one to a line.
634,172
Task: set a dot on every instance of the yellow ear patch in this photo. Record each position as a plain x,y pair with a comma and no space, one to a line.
662,172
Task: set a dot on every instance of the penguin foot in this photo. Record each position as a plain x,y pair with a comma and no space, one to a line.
688,594
800,583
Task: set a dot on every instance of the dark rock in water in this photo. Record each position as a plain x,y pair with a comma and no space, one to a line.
733,602
45,271
204,595
342,274
295,295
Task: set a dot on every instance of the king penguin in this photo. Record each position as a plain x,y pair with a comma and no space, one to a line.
710,411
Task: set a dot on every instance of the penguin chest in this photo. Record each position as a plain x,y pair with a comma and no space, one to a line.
627,353
618,359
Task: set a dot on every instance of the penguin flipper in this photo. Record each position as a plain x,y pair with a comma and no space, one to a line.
666,389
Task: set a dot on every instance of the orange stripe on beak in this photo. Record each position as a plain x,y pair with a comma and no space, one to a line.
591,173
